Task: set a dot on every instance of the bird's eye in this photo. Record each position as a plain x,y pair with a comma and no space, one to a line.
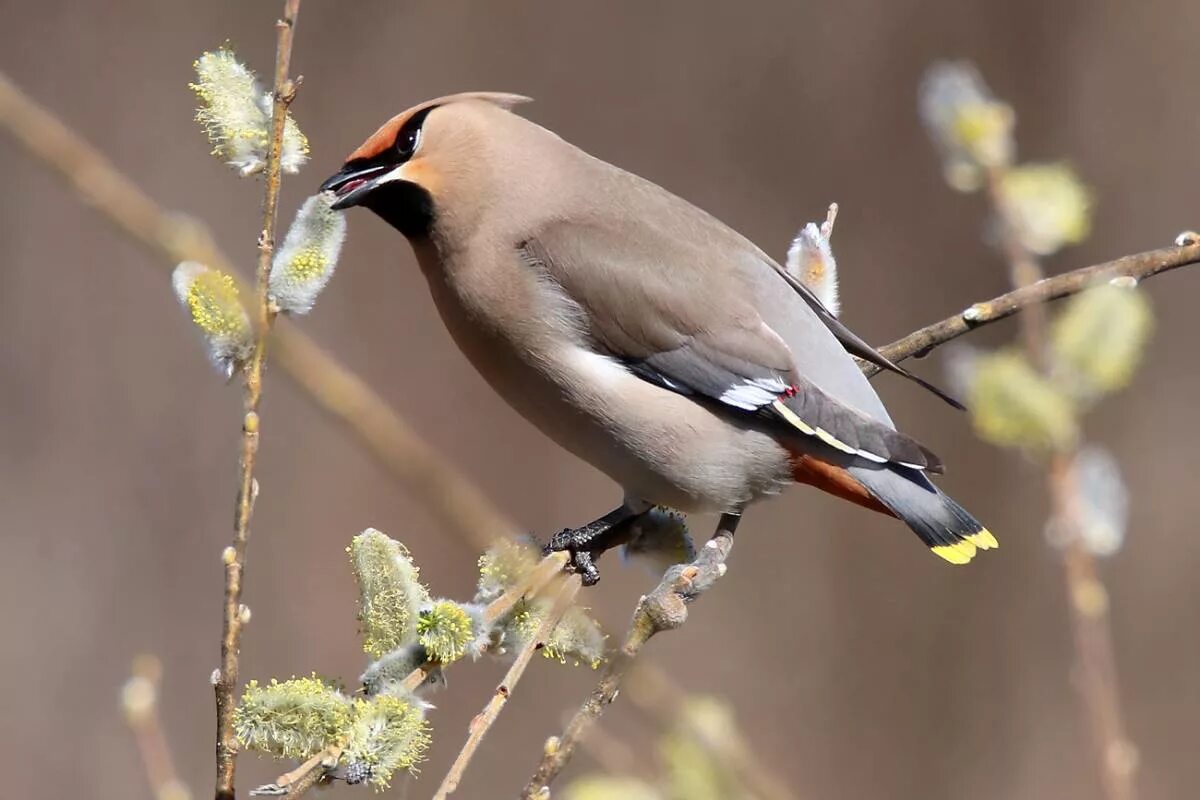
407,141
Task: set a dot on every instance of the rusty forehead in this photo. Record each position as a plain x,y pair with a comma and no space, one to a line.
385,137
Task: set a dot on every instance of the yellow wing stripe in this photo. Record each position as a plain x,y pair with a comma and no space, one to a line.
791,417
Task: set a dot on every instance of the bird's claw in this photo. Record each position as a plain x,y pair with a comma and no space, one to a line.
578,543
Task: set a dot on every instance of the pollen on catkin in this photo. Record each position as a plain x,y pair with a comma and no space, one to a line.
293,718
445,629
1048,205
502,566
305,261
1013,405
391,594
211,300
971,128
235,113
1099,338
388,733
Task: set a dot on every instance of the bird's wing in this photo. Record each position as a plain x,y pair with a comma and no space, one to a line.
673,318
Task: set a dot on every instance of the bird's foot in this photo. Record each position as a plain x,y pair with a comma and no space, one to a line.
587,543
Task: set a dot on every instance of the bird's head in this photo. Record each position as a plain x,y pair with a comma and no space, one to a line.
419,159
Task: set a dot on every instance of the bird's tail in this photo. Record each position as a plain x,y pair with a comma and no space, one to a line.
943,525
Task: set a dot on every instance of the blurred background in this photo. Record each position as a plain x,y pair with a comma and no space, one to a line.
857,665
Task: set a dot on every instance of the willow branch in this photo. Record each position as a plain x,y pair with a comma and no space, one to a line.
664,608
140,701
1138,266
298,781
1091,628
231,630
483,722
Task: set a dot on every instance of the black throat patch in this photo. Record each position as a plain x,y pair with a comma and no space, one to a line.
405,206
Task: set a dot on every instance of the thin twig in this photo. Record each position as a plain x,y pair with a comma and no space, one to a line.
298,781
1138,266
231,630
140,701
1095,659
483,722
663,609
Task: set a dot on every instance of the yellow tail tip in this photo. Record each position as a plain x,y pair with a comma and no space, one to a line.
984,540
963,551
957,553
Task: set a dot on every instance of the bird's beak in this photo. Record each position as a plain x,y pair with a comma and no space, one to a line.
351,184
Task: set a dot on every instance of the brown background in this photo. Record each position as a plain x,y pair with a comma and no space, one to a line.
859,665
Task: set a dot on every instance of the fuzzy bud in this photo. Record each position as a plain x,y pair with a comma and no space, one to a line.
390,592
810,260
576,638
688,749
445,629
388,733
502,566
236,115
1099,338
1103,499
660,539
305,262
971,128
291,719
385,674
1048,206
211,300
1012,405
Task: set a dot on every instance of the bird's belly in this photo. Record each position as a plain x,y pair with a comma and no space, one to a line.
659,446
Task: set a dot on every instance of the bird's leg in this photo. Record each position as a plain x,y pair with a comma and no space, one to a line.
589,542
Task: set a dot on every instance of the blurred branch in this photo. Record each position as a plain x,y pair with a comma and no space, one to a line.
1032,295
139,699
235,556
651,690
1087,599
664,609
482,723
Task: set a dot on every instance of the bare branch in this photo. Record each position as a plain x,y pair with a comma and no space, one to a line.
139,699
298,781
482,723
231,631
663,609
1138,266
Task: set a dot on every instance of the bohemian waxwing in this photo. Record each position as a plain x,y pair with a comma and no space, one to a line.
637,331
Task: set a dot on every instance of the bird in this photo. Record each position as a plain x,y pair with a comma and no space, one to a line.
637,331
